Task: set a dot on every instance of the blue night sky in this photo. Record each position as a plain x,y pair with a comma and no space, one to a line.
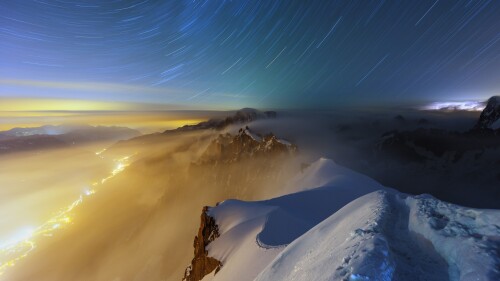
263,53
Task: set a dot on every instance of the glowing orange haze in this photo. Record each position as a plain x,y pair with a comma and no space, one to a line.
24,112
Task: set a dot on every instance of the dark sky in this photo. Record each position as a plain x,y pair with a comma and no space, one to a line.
265,53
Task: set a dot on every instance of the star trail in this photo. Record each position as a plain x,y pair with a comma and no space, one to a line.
216,53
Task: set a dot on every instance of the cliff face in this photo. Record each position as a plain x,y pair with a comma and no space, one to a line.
231,162
490,115
229,149
202,264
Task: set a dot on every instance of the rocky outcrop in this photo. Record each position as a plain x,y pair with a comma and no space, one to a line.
241,116
490,117
202,264
227,148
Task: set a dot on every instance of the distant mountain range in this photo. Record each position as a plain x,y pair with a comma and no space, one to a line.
467,161
239,117
43,130
38,138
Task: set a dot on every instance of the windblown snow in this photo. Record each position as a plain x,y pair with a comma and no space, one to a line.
341,225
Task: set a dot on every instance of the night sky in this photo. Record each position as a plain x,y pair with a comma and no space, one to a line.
261,53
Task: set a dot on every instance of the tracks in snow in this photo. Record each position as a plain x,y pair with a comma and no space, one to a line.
414,256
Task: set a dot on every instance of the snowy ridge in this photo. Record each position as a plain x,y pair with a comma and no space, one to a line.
368,239
468,239
351,228
253,136
325,172
306,258
253,233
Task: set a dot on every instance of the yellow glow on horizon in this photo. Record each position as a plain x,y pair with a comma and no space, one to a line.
19,95
33,105
34,114
169,124
150,121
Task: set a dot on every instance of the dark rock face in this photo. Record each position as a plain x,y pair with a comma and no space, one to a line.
229,149
241,116
490,114
202,264
245,164
400,118
423,121
459,167
423,145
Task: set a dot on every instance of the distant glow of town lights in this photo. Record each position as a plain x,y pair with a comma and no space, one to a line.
17,249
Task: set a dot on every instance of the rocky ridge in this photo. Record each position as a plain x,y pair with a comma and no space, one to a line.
202,264
241,116
490,116
227,148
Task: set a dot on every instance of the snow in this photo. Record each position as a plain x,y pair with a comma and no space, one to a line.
252,234
341,225
285,142
333,249
368,239
252,135
209,277
325,172
468,239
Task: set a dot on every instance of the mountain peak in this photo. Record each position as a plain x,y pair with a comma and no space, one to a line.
227,148
242,116
490,116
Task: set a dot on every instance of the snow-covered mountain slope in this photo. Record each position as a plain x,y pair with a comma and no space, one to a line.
392,236
251,234
349,227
